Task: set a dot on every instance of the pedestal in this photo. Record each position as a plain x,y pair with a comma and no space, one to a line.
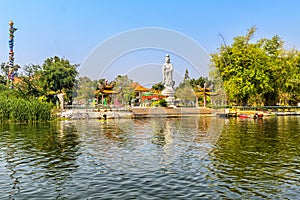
169,92
170,101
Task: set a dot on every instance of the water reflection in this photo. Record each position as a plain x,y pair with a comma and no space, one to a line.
34,156
258,158
156,158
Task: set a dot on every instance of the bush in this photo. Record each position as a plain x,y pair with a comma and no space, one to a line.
163,103
20,110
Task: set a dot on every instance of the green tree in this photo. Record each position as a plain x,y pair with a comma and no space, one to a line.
4,68
30,83
289,92
185,92
85,88
126,91
195,83
158,87
58,75
250,71
4,73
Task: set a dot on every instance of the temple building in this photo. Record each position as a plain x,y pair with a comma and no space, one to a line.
104,92
139,92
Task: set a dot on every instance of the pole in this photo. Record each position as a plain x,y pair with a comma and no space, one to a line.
204,97
12,68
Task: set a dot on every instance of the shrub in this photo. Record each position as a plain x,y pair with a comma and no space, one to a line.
163,103
21,110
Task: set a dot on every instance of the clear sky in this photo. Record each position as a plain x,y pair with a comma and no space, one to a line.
73,29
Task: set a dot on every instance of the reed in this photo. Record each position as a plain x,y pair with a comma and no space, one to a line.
23,110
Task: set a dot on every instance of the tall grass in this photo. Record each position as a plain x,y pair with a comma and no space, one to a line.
23,110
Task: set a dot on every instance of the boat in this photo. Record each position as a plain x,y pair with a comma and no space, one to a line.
258,116
244,116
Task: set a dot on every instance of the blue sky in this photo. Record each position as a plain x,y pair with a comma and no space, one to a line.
73,29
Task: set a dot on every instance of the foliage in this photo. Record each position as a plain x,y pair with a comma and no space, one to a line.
19,110
4,68
157,88
185,92
58,75
198,82
163,103
84,89
155,104
258,73
30,83
25,102
126,91
160,103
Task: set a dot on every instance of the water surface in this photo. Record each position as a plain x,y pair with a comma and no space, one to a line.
162,158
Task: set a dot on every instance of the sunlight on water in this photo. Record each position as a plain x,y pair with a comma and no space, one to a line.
162,158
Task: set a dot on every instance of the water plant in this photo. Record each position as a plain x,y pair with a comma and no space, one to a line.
23,110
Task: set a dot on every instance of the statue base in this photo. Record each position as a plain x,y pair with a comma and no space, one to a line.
169,92
170,101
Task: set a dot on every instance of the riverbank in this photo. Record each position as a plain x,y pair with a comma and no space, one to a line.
135,112
140,112
168,112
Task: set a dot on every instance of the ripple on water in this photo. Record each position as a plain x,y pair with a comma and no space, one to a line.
151,159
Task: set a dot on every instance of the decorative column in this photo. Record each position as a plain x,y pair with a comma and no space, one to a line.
204,96
12,71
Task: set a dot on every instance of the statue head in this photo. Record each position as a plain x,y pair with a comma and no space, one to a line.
167,58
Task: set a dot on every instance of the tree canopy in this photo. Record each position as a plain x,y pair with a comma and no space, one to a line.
58,75
259,73
126,91
85,88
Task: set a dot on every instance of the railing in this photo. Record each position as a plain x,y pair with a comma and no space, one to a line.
268,108
96,107
87,107
250,108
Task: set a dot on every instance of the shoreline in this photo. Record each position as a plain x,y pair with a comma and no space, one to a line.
160,112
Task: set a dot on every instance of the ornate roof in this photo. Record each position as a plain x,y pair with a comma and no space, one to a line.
138,88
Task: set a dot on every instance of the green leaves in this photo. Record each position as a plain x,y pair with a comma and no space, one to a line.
85,88
18,110
58,75
257,73
126,91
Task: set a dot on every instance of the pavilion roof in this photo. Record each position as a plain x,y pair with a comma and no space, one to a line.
207,93
106,92
138,88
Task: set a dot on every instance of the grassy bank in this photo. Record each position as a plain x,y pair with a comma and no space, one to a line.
23,110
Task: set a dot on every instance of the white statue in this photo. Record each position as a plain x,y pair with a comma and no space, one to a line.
168,72
168,82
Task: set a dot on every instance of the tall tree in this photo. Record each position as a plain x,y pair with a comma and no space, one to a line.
185,92
85,88
58,75
30,81
157,88
126,91
251,71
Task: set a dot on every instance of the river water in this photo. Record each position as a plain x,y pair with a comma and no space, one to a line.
156,158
